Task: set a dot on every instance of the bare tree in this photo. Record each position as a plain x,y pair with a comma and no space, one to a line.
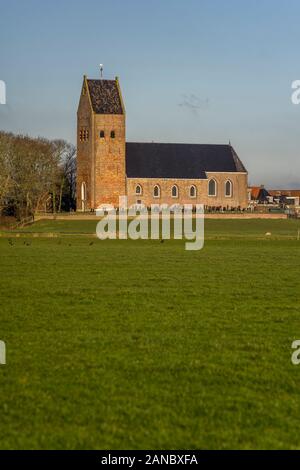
67,175
32,169
5,174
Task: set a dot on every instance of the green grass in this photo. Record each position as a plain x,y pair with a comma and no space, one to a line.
214,228
141,344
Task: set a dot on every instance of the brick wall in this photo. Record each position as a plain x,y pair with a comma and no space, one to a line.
109,159
238,198
84,152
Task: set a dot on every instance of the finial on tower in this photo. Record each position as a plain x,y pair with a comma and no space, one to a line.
101,70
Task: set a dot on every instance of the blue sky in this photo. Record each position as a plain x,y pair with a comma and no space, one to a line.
205,71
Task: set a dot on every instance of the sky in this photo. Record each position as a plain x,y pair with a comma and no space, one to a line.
198,71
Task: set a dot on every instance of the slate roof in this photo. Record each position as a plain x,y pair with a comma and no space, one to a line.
105,96
184,161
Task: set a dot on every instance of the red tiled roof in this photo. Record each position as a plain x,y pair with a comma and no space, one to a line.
284,192
255,190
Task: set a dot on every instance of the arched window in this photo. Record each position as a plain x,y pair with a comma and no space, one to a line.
138,190
228,188
156,191
83,195
193,191
102,134
174,191
112,134
212,187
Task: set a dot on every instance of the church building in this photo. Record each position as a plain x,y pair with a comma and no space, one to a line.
147,173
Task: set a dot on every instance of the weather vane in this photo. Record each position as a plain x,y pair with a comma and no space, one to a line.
101,70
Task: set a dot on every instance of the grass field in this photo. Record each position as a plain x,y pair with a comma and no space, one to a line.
214,228
143,345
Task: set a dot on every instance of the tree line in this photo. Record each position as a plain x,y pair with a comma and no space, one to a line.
36,174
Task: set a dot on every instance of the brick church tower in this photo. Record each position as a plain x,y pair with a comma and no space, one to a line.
101,175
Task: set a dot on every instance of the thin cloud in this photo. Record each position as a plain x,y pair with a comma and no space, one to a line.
194,103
